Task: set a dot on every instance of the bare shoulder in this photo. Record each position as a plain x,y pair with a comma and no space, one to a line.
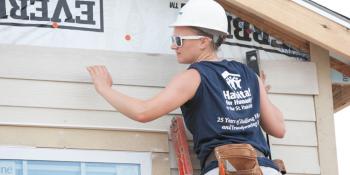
185,83
188,76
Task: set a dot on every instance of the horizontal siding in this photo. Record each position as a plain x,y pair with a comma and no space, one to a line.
66,118
61,94
160,164
302,160
291,77
65,95
47,100
297,159
117,121
298,133
58,64
133,69
295,107
84,139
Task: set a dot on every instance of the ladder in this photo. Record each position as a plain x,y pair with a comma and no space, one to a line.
179,141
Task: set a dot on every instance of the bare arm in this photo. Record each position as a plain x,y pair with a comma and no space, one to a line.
271,117
177,92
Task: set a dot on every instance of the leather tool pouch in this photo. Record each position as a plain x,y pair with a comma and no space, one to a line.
237,159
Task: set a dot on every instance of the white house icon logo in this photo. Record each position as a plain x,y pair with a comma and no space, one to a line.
233,80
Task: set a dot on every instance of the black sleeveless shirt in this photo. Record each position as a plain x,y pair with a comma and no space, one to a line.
225,109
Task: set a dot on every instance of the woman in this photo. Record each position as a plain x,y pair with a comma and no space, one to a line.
222,101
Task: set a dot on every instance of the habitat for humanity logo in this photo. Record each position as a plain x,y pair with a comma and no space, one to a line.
86,15
236,97
233,80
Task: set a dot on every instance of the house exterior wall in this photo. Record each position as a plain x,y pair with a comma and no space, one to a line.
46,95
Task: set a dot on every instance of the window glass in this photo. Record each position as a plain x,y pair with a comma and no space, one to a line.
36,167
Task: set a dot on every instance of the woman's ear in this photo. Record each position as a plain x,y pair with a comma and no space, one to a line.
204,43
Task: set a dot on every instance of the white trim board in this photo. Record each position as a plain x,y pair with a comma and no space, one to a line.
77,155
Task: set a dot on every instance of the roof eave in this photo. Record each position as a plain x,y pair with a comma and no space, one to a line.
297,20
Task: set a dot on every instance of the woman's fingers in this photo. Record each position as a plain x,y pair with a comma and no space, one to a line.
100,77
91,71
263,78
96,70
104,69
267,88
99,71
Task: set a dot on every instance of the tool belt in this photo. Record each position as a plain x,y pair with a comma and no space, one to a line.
237,159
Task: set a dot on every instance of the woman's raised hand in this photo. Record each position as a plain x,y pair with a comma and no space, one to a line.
100,77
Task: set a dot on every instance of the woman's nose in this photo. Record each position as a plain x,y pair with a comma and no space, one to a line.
173,46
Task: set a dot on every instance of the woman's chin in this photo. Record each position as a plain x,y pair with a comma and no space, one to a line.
179,59
182,60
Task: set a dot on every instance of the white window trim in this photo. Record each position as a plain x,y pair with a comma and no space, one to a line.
78,155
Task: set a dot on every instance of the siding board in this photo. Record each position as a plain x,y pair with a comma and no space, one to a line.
298,133
160,164
65,118
84,139
291,77
116,121
24,116
295,107
57,64
65,95
62,94
298,160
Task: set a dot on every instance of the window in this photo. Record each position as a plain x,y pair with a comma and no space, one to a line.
43,161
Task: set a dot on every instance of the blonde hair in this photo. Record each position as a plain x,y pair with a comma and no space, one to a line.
217,37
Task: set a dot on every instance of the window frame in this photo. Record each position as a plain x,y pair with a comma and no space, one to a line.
144,159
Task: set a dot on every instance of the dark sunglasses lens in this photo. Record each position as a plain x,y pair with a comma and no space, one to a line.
178,41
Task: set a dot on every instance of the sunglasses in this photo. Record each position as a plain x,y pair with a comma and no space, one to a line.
178,39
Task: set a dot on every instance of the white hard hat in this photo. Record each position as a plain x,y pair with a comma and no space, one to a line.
206,14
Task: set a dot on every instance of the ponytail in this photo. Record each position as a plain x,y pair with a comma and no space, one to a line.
218,42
